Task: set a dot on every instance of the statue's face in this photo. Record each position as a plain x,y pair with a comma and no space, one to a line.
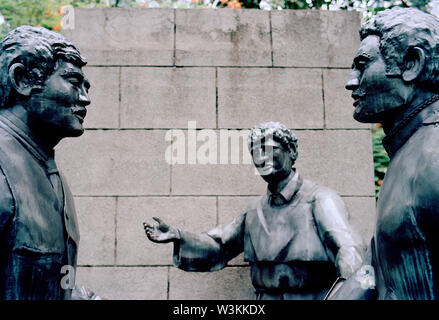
60,107
272,160
373,92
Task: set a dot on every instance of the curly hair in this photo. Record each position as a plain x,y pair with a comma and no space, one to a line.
38,49
278,132
400,30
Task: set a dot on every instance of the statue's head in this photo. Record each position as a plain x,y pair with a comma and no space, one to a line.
42,71
274,150
398,57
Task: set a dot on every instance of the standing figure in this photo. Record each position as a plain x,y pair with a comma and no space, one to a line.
296,237
395,81
43,99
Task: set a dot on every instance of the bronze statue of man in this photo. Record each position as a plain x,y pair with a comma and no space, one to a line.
43,99
395,81
296,237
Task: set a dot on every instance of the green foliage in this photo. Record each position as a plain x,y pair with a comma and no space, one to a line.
43,13
380,157
89,3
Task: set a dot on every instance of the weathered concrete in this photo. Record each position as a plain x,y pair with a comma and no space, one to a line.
314,38
250,96
229,284
115,163
227,37
150,97
335,158
116,36
125,283
96,218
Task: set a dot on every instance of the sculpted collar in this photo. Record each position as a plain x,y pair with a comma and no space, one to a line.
397,137
21,132
289,190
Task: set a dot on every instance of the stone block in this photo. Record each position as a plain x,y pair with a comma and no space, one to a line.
125,283
193,214
222,37
96,216
338,102
338,159
216,179
362,215
247,97
229,171
231,283
314,38
168,97
112,162
124,36
103,112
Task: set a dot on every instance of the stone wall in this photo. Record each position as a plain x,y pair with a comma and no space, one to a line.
154,70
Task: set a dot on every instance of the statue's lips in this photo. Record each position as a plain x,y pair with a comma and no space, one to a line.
80,113
267,169
357,99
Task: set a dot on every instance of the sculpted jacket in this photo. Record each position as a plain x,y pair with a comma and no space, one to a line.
404,251
406,242
38,228
295,241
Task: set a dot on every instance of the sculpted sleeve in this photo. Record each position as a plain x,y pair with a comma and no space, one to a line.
6,203
343,243
212,250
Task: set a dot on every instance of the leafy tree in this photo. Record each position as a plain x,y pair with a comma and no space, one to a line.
36,13
380,157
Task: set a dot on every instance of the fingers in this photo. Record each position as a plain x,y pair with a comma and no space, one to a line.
159,221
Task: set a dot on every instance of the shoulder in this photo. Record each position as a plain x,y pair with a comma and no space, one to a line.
318,192
254,203
327,201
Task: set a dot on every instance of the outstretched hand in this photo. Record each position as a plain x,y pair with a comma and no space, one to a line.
161,232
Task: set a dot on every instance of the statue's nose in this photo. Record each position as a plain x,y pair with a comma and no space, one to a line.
353,81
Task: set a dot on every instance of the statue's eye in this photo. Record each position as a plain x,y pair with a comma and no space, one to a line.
361,64
75,81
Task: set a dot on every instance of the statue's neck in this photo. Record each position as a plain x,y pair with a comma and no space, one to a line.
278,186
398,116
35,128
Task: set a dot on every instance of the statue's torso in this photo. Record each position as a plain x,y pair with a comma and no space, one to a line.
405,241
42,236
283,245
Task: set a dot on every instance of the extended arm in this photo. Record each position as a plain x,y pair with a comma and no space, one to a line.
343,243
205,252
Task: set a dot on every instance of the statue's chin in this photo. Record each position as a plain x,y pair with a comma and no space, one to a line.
365,117
265,171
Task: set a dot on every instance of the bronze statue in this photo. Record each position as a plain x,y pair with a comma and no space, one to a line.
296,237
394,81
43,99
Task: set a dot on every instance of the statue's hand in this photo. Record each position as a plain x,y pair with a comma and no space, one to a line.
161,232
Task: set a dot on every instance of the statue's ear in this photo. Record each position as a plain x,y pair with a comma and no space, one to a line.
20,80
414,64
